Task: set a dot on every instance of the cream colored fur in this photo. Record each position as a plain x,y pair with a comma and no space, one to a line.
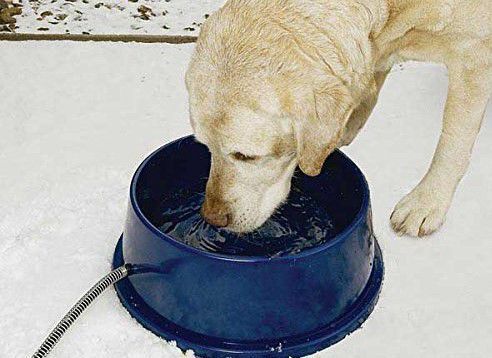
279,83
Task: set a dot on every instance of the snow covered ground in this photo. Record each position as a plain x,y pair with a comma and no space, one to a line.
155,17
77,118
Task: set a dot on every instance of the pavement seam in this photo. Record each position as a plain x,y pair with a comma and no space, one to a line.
170,39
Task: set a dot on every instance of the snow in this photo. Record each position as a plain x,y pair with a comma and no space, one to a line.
176,17
77,119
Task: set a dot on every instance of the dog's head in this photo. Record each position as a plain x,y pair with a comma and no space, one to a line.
262,106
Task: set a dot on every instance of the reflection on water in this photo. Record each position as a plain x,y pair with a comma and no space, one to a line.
298,225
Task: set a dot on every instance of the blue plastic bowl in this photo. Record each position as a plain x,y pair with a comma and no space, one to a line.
228,306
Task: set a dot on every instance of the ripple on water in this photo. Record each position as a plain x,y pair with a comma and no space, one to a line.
297,225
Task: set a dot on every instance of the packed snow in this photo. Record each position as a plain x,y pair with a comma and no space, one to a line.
150,17
78,118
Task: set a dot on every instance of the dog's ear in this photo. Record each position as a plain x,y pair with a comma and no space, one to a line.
318,134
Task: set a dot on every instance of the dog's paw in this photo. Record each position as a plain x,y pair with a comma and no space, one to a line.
421,212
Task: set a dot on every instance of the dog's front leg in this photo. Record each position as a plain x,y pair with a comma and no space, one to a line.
424,210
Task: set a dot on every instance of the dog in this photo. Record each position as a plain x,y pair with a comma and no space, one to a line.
282,83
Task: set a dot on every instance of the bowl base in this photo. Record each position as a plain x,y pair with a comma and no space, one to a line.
298,346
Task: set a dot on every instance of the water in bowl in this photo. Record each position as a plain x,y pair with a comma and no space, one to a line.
297,225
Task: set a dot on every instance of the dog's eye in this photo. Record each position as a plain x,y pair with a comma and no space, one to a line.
243,157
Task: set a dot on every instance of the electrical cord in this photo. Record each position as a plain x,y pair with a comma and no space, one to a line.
74,313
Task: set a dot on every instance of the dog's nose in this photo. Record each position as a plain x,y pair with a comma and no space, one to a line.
217,219
216,216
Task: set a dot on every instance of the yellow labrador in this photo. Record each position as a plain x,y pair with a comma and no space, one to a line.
280,83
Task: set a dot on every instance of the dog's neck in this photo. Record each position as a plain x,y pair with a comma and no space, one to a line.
385,11
390,21
394,21
374,15
380,13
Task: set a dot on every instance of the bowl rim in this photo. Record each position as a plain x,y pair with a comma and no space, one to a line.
361,214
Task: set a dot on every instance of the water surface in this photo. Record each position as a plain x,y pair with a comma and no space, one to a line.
297,225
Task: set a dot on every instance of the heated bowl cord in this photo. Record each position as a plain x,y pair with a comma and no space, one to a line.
74,313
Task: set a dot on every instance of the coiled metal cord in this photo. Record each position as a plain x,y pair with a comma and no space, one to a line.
74,313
